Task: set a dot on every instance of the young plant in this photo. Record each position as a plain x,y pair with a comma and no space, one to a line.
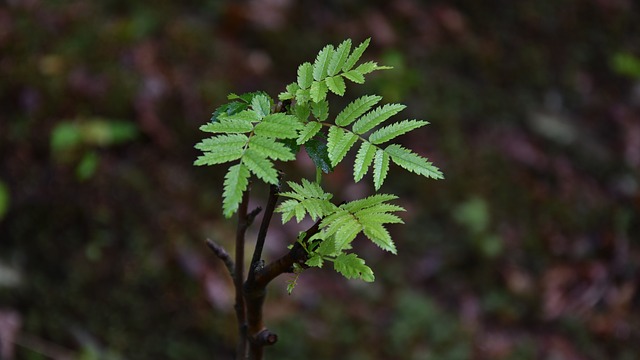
252,132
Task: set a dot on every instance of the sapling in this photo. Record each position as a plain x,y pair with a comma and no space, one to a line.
253,131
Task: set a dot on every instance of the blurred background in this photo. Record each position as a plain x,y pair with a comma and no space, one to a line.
529,249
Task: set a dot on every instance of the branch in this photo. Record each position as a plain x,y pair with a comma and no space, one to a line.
284,264
223,255
264,226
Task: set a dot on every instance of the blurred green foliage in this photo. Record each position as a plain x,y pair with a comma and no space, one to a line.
4,199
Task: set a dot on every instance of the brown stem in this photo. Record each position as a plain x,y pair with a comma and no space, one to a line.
255,292
243,224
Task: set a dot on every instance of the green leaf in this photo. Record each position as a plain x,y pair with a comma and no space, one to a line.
271,148
318,91
376,117
339,143
413,162
279,126
238,123
356,109
367,218
261,104
223,143
318,152
380,236
320,110
339,57
260,166
221,149
309,131
303,95
370,201
327,247
380,168
246,97
394,130
355,76
305,75
355,56
231,108
315,261
307,197
352,267
321,65
364,158
371,66
302,112
235,183
336,84
290,93
287,209
343,226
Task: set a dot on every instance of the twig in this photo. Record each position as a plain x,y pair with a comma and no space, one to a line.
264,227
223,255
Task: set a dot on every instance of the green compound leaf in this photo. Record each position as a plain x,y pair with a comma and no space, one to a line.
394,130
336,85
318,91
338,143
221,149
364,158
260,166
271,149
352,267
380,168
355,76
306,197
413,162
339,57
321,65
305,75
376,117
261,104
356,109
355,56
278,126
309,131
318,152
235,183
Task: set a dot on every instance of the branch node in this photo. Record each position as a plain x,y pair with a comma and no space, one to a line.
264,338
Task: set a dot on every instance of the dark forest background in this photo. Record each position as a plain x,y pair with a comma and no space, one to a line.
529,249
